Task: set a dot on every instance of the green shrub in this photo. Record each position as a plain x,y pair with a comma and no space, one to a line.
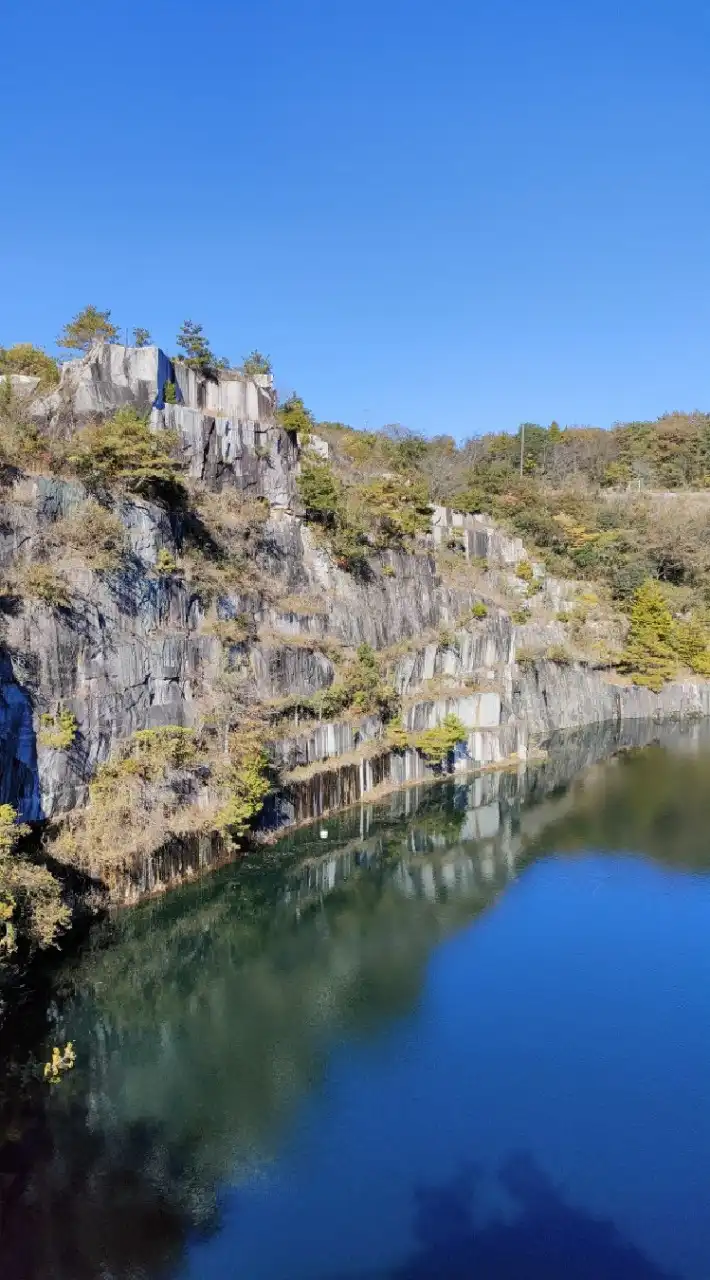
31,907
166,566
559,654
96,533
472,500
628,575
348,546
23,358
256,364
526,657
479,610
359,688
294,416
649,656
691,643
151,790
397,736
231,631
58,731
142,338
22,444
393,510
169,393
388,571
41,582
437,744
448,640
524,571
123,452
320,492
170,746
245,776
519,617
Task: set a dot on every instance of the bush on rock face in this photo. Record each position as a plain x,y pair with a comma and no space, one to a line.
165,782
96,533
321,493
123,452
385,514
42,582
58,731
31,907
393,509
438,743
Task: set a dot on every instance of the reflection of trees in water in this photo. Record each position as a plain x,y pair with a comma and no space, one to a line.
652,802
202,1019
546,1240
78,1204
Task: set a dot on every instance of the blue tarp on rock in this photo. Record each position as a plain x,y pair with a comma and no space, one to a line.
19,776
166,373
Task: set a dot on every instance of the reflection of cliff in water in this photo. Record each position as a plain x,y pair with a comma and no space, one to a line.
655,803
547,1239
204,1017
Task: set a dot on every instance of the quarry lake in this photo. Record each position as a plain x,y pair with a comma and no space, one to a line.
467,1034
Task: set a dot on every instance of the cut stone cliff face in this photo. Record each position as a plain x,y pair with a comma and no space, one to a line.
139,649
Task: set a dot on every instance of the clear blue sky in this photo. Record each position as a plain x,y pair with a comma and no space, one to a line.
447,213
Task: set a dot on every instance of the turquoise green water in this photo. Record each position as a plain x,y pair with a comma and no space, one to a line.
471,1038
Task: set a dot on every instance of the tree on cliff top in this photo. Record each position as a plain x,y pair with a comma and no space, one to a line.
88,327
256,363
197,351
294,416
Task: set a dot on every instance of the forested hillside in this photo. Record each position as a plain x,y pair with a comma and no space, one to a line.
617,506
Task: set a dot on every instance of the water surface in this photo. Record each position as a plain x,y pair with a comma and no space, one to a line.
471,1038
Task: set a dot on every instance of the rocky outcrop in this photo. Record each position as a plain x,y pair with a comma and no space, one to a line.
477,537
138,648
226,423
548,696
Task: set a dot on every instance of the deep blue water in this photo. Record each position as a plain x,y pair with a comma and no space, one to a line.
474,1040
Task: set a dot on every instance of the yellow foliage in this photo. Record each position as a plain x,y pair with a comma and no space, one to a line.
61,1061
30,896
575,535
58,731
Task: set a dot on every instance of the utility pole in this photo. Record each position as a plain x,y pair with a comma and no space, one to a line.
522,446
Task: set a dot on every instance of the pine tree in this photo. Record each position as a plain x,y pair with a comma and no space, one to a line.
692,645
649,654
197,352
88,327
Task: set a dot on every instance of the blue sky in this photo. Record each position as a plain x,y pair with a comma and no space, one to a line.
454,215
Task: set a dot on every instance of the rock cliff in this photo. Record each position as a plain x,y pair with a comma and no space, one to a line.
143,644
